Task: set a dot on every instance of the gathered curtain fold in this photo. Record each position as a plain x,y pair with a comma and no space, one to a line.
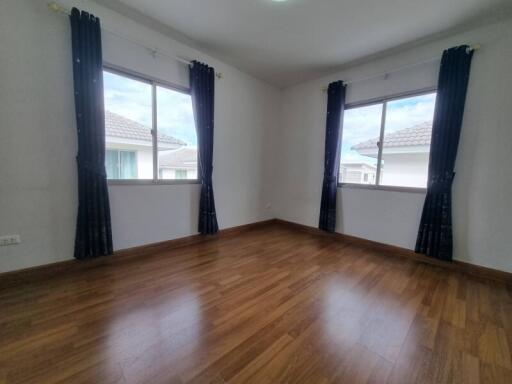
435,231
202,87
334,122
93,228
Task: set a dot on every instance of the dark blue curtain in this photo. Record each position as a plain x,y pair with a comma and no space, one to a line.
93,228
335,108
202,87
435,232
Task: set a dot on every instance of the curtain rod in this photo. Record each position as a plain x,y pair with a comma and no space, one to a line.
473,47
153,51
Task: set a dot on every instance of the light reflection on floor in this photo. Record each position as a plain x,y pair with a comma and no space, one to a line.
171,328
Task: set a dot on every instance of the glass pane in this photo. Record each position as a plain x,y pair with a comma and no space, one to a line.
177,139
111,164
407,134
181,174
359,150
128,121
128,165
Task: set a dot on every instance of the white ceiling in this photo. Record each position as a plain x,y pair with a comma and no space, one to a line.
289,42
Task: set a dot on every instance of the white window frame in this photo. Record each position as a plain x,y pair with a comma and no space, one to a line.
154,82
384,101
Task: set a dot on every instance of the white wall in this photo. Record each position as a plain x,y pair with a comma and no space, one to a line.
405,169
268,152
482,187
145,164
38,195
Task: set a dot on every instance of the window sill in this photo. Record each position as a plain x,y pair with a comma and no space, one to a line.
151,182
383,188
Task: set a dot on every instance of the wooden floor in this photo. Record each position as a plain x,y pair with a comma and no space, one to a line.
272,305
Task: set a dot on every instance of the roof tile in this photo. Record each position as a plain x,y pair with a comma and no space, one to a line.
119,126
417,135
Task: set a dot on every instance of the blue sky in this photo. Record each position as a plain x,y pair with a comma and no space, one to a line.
361,124
132,99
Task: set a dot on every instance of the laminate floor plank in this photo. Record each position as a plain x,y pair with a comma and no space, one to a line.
269,305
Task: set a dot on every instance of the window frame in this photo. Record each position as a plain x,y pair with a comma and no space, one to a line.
153,82
383,100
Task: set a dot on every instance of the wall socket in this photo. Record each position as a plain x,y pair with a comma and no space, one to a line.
9,240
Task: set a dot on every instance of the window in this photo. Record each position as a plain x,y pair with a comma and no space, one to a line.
121,165
360,125
149,130
175,120
387,142
181,174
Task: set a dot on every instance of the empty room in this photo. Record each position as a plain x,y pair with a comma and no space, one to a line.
255,191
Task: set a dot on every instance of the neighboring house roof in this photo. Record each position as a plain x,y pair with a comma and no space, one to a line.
121,127
181,158
418,135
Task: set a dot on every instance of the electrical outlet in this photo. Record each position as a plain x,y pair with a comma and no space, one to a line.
9,240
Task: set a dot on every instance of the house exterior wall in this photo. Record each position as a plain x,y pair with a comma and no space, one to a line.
170,174
405,170
144,158
355,173
145,164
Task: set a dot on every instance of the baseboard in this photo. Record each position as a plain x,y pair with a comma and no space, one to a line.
190,240
458,266
67,266
47,270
